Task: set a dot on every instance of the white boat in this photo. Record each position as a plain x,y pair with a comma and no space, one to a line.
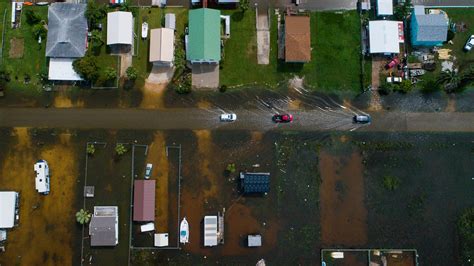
144,30
184,231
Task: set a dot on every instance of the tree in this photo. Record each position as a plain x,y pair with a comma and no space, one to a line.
87,67
132,73
231,167
450,79
391,182
120,149
429,86
466,232
244,5
96,39
39,31
83,216
403,11
95,12
90,149
184,85
405,86
110,73
31,17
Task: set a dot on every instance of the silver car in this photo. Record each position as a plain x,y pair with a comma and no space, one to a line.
228,117
469,44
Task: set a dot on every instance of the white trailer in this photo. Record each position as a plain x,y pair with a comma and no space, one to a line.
42,177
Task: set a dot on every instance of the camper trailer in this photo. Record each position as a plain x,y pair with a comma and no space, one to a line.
42,177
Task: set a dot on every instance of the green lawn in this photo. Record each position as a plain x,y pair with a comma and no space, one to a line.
33,60
459,15
335,64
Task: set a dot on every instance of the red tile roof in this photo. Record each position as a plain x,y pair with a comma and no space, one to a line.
144,200
297,39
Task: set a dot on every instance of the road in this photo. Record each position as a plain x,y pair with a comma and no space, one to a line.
193,118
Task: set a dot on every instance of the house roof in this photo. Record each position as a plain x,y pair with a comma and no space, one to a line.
254,240
385,36
67,30
170,21
119,28
144,200
161,45
385,7
103,228
255,182
210,231
204,35
7,208
431,27
62,69
297,39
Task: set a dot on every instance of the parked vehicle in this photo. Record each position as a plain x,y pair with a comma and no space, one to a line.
394,79
362,119
184,231
395,61
228,117
148,169
282,118
417,72
469,44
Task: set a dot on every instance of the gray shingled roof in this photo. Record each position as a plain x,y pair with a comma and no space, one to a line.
102,231
432,27
67,30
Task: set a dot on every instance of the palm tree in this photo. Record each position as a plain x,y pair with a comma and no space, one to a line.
450,79
90,149
83,216
120,149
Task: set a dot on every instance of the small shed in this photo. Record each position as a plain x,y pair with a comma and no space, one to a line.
119,28
384,7
254,240
210,231
255,182
161,240
103,228
170,21
89,191
144,200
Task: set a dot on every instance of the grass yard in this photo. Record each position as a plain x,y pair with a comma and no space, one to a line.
335,64
33,61
459,15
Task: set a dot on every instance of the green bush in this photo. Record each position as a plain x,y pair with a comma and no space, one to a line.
231,168
39,31
110,73
429,86
405,86
132,73
391,183
184,85
90,149
87,67
31,17
120,149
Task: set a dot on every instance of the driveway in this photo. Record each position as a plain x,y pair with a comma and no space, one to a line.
444,3
263,37
205,76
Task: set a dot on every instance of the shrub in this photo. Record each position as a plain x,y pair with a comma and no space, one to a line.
429,86
120,149
83,216
31,17
39,31
132,73
223,88
184,85
391,183
87,67
405,86
231,168
110,73
90,149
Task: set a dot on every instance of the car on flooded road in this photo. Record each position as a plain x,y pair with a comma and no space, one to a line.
228,117
361,119
282,118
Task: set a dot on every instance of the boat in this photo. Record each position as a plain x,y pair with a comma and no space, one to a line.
144,30
42,3
184,231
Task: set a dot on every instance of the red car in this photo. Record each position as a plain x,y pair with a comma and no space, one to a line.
395,61
283,118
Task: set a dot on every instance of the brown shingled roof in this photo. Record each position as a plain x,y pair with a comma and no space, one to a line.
297,39
144,200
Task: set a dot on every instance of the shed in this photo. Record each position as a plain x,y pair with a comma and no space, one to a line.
144,200
428,29
62,69
119,28
254,240
385,36
42,177
89,191
161,240
255,182
103,228
170,21
162,46
204,44
384,7
210,231
9,201
297,39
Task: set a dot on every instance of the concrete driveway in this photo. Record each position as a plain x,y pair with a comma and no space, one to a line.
205,76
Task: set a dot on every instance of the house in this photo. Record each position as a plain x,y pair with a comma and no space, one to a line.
297,39
385,36
428,29
67,39
210,231
162,46
103,228
204,42
9,207
119,28
42,177
144,200
170,21
384,7
255,182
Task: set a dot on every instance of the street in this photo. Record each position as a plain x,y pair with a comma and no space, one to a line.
258,120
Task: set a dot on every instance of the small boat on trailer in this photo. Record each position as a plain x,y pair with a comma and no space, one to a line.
144,30
184,231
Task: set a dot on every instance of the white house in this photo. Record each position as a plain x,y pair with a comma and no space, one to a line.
385,36
162,46
119,28
42,177
9,201
210,231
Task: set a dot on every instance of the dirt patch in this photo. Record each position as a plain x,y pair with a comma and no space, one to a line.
451,106
256,136
153,96
203,104
46,221
294,104
343,213
205,152
17,48
157,156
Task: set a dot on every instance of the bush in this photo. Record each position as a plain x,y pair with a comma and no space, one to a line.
110,73
405,86
87,67
231,168
90,149
429,86
184,85
95,12
132,73
466,236
120,149
391,183
39,31
223,88
31,17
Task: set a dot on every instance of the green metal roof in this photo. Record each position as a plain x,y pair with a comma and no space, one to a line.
204,35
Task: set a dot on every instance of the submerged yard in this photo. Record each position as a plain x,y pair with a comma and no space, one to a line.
332,191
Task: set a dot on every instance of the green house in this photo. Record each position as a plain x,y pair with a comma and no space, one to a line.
204,45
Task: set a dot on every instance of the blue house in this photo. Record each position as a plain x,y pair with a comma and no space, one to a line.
428,29
255,182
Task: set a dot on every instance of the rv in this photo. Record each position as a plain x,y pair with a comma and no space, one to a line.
42,177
